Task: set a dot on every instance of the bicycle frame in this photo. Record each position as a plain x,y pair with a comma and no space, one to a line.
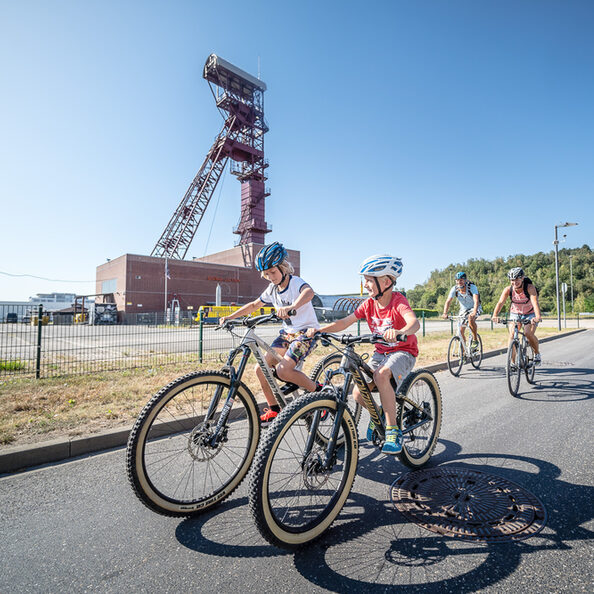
462,321
353,367
519,331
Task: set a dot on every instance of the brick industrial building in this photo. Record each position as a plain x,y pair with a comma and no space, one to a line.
137,283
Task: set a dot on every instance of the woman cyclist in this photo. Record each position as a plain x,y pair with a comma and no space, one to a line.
524,304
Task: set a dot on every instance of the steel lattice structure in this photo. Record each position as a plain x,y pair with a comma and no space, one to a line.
240,99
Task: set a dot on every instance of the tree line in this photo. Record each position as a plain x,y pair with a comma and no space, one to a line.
490,276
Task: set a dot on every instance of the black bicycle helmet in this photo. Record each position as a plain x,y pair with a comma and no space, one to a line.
515,273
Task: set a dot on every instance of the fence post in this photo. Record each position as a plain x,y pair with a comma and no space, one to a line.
491,322
38,354
452,326
578,318
423,315
200,335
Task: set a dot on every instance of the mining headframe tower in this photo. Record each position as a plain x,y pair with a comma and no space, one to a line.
139,283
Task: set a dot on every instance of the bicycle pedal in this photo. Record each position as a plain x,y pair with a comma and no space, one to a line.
288,388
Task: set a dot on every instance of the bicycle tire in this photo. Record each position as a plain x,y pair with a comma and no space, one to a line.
318,374
421,387
529,367
476,356
513,375
290,500
170,467
455,356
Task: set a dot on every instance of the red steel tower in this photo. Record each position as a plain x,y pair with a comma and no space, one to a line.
240,100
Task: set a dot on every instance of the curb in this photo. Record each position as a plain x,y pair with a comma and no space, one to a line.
27,456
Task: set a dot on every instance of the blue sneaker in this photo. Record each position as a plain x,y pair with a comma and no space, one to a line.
371,425
393,443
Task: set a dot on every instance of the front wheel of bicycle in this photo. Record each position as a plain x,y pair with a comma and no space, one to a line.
514,367
318,374
420,423
174,465
293,497
455,356
529,367
476,354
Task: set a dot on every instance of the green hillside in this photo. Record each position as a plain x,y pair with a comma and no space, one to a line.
491,278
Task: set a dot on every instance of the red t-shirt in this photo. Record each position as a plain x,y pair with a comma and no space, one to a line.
380,319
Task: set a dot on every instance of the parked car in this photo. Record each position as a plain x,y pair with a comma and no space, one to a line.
11,318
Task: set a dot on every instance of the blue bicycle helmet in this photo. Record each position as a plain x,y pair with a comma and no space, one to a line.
270,255
460,275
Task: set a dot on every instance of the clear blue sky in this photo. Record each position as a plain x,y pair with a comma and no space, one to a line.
434,130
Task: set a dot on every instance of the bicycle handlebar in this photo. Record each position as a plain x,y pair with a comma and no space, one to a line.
250,322
364,338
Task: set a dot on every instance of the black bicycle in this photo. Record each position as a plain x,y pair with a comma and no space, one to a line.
460,351
520,357
298,482
193,442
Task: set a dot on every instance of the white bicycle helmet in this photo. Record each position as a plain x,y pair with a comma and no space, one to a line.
515,273
381,265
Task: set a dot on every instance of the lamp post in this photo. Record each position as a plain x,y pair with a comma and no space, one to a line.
556,244
571,279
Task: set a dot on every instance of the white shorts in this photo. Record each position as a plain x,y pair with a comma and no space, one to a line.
399,363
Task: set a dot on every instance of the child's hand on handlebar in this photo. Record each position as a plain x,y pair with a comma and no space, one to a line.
311,332
391,335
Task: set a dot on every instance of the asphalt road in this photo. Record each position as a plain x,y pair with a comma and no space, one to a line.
77,526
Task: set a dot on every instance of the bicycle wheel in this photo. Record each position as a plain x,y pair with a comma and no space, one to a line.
455,356
171,465
318,374
292,499
514,370
476,355
422,388
529,367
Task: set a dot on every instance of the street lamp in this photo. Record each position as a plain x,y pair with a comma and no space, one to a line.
571,279
556,244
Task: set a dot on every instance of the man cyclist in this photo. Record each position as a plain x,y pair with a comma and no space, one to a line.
524,305
468,298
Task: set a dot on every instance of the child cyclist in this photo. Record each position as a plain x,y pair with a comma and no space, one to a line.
285,292
387,313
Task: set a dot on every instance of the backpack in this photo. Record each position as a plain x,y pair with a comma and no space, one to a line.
525,284
468,283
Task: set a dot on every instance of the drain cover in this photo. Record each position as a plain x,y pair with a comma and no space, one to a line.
468,504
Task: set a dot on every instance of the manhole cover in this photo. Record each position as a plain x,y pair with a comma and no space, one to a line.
468,504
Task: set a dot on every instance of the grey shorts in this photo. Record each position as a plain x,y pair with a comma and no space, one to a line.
399,363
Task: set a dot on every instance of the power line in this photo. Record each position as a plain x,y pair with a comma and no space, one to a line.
53,280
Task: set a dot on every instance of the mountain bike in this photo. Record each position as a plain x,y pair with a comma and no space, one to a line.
520,357
460,350
298,483
193,442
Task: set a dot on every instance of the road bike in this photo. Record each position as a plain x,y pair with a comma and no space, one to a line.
193,442
299,483
520,357
460,350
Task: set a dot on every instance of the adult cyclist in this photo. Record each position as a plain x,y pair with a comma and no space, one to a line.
524,305
468,298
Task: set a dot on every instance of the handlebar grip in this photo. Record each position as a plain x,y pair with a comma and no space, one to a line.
401,337
292,312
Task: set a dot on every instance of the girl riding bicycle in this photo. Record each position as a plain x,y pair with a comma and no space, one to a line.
524,304
387,313
285,292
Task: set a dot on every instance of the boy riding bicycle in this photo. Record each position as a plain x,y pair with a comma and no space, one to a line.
387,313
468,298
524,305
285,292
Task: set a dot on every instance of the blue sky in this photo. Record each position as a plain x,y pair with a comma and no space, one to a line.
437,131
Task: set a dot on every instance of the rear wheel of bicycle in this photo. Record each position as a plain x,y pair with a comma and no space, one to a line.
171,464
514,369
292,498
529,367
455,356
422,388
476,355
318,374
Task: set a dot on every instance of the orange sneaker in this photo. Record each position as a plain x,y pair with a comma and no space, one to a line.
268,416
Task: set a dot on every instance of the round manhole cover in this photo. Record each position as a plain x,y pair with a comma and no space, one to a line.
468,504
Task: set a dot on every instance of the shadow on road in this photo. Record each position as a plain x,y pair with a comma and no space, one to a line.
372,547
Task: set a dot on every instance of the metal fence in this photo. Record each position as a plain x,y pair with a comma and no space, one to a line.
37,344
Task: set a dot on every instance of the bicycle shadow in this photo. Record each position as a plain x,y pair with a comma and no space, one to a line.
560,385
373,554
